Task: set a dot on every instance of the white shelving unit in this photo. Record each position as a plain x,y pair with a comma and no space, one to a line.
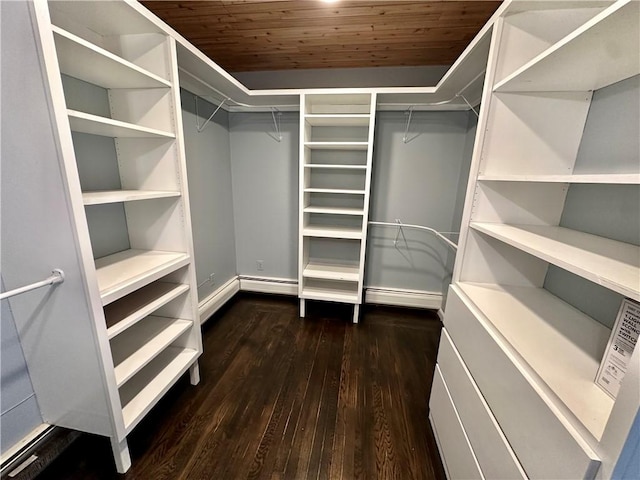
145,320
533,351
336,151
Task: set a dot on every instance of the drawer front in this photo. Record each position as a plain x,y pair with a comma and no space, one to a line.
492,450
544,445
457,455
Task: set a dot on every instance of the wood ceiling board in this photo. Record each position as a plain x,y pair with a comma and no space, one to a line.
274,35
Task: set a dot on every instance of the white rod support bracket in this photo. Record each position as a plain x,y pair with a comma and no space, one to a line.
409,112
276,123
200,128
467,102
57,276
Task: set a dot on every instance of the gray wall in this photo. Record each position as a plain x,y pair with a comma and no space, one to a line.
426,76
265,193
20,411
210,194
418,182
97,163
611,133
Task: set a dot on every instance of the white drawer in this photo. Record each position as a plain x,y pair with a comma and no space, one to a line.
457,455
541,438
494,454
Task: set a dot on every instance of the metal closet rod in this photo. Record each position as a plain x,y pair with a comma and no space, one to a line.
225,98
438,234
57,276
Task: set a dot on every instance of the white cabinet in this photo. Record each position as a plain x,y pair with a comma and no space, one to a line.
336,150
532,350
143,297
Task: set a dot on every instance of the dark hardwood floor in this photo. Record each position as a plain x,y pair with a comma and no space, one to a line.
285,398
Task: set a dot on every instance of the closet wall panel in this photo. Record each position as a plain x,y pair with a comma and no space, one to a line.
210,192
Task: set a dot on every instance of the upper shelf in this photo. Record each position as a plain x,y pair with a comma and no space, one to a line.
93,124
117,196
612,264
337,145
335,166
85,61
606,178
601,52
333,120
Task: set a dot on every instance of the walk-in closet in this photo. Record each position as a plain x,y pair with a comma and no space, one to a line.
390,271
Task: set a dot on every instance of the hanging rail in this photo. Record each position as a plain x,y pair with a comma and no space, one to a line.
398,224
57,276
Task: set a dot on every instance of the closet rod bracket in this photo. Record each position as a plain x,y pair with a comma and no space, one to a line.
200,128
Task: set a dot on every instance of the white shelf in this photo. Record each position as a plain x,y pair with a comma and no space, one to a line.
124,272
116,196
127,311
144,390
601,52
612,264
329,294
334,210
95,125
330,231
337,145
335,167
85,61
334,190
337,120
345,273
142,343
606,178
561,345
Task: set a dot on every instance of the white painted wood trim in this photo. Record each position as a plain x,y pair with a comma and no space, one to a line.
32,438
217,299
404,298
281,286
374,295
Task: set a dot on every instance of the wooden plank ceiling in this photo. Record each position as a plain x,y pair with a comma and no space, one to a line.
252,35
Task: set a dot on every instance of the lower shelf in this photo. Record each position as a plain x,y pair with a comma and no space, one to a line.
144,390
123,313
562,346
349,273
330,291
142,343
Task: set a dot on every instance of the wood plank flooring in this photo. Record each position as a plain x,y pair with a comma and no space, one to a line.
285,398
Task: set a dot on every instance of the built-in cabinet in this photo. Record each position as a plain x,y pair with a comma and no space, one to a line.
518,356
336,151
143,296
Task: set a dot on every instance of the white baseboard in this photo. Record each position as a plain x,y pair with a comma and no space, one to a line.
217,299
281,286
10,458
379,296
403,298
441,314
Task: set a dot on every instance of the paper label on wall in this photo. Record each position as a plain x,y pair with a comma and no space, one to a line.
624,337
